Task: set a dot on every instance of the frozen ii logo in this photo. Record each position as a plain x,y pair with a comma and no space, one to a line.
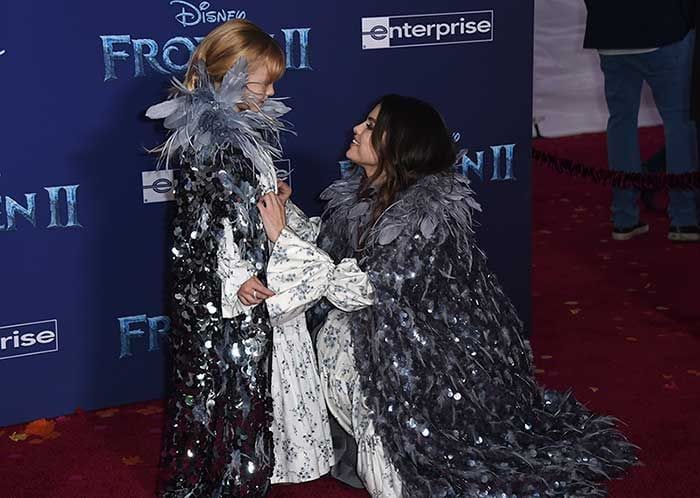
59,208
494,164
141,56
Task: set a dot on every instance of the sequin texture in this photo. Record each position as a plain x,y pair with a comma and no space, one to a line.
443,365
218,439
218,442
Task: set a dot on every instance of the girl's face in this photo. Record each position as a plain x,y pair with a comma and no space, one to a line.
361,151
260,86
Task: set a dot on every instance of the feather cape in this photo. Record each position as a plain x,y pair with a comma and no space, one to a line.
444,368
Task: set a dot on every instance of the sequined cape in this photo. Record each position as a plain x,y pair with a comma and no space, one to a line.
218,441
445,371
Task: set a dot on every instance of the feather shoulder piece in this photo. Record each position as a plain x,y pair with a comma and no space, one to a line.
437,206
213,118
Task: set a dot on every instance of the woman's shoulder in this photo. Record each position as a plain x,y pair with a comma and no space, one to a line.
436,207
344,189
448,188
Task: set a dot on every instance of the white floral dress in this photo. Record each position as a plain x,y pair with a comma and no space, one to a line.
300,273
301,431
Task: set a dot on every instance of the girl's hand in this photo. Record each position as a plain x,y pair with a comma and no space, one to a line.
273,215
253,292
284,191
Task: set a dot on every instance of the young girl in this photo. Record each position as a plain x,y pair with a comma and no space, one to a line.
225,435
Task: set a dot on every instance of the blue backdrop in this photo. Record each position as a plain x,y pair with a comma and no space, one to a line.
83,309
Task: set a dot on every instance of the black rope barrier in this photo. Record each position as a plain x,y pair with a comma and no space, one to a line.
619,179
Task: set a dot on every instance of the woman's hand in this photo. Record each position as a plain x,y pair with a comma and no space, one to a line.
253,292
284,191
273,215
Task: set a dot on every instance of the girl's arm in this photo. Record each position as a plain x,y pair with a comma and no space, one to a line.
233,272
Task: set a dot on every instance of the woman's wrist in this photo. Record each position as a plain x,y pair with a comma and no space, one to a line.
285,229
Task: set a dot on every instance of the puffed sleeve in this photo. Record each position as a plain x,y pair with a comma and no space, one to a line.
300,274
306,228
233,272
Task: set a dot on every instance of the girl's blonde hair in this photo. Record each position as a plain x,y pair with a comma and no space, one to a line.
228,42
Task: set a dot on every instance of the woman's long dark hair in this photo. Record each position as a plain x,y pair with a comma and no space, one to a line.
411,141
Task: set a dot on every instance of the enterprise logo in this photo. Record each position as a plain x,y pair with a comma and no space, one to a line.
158,185
27,339
427,29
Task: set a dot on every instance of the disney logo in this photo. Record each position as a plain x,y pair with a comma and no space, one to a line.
192,15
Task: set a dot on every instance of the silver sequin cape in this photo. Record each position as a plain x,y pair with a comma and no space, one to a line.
446,373
217,441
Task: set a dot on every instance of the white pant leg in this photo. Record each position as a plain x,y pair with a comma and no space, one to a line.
340,383
374,467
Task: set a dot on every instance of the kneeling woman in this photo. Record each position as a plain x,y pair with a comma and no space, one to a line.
421,355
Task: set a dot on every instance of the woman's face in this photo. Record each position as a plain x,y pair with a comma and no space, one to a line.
259,87
361,151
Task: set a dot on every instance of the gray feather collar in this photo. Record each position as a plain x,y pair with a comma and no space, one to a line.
206,121
436,206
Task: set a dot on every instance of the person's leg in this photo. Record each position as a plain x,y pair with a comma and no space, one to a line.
668,73
655,164
341,386
345,453
373,465
623,87
336,369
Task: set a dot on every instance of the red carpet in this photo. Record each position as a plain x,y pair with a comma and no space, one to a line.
617,321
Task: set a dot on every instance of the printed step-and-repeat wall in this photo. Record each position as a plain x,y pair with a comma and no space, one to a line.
85,218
